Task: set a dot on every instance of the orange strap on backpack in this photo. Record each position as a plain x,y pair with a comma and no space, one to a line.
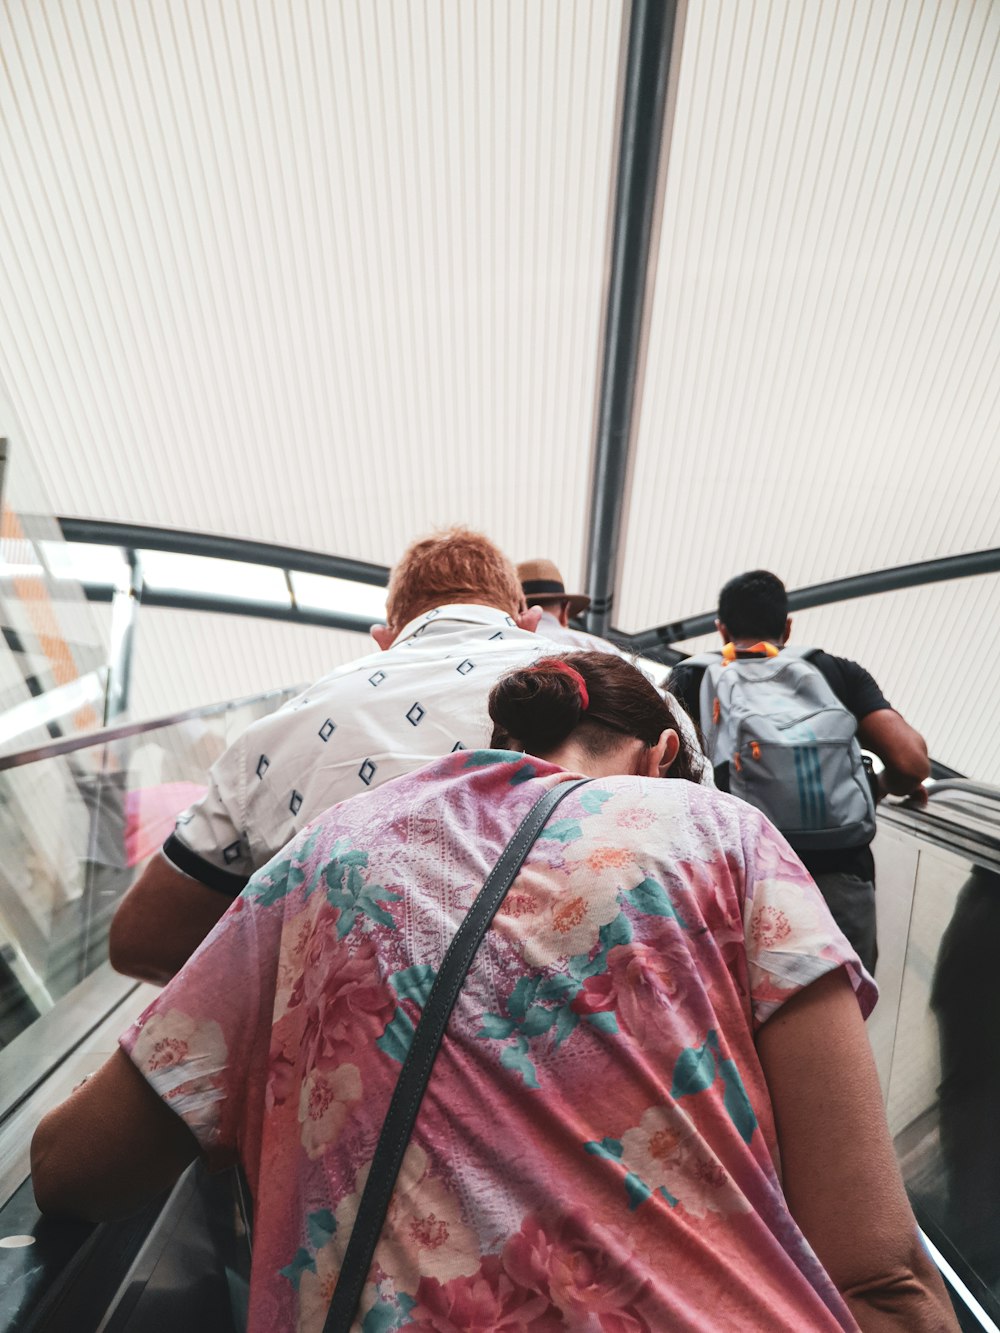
729,651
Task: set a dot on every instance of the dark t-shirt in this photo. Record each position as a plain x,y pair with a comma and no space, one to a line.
857,690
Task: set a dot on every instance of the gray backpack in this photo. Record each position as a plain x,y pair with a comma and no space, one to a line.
791,746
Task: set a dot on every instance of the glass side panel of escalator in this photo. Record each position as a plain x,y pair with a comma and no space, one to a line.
939,1042
76,829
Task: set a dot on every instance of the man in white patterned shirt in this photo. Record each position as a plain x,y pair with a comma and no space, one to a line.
454,626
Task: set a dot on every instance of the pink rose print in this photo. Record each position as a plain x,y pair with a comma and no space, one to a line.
582,1268
769,927
518,904
635,817
184,1059
598,995
773,858
643,980
424,1228
487,1302
664,1150
347,1002
609,858
324,1103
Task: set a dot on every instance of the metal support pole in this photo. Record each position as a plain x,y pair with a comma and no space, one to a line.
124,616
644,99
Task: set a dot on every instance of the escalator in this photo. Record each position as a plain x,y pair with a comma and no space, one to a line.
936,1029
80,817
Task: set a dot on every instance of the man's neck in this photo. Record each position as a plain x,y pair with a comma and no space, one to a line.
749,645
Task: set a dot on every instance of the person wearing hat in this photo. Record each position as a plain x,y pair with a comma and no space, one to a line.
542,585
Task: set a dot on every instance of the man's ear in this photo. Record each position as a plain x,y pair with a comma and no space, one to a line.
726,636
661,756
384,635
788,630
529,619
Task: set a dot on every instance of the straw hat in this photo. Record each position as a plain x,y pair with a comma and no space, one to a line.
542,583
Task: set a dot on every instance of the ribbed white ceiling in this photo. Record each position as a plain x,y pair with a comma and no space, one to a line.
822,394
322,274
332,274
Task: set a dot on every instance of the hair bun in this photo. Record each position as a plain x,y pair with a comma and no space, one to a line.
538,706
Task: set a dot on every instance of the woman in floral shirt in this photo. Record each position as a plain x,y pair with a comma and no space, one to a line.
662,998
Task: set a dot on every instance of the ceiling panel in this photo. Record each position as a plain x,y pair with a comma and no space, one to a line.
821,392
326,275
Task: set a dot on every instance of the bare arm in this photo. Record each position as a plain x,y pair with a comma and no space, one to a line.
902,749
161,921
839,1170
109,1148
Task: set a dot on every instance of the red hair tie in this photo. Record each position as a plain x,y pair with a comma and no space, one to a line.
567,670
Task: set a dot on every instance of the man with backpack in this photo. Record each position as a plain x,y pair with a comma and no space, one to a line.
784,728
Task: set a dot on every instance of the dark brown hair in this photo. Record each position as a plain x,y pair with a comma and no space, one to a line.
539,707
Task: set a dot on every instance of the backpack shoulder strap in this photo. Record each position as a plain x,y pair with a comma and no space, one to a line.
413,1078
803,654
702,660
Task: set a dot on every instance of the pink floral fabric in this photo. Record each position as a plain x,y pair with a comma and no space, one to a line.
596,1150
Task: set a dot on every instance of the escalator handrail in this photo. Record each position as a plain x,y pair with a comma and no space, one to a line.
87,739
965,786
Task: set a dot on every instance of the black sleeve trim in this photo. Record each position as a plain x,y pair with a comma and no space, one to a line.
223,881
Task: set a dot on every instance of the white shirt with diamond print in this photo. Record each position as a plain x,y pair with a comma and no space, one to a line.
370,720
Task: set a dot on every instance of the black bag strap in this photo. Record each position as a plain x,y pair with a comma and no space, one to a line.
416,1071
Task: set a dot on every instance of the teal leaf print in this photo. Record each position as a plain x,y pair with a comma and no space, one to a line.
386,1318
537,1020
565,1024
618,931
522,996
516,1058
563,830
321,1225
637,1190
279,878
342,857
604,1021
524,774
414,983
582,966
695,1069
348,892
480,758
610,1149
667,1195
268,887
592,800
650,898
495,1027
736,1101
559,987
303,1262
395,1040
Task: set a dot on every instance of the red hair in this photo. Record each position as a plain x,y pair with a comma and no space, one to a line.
457,565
